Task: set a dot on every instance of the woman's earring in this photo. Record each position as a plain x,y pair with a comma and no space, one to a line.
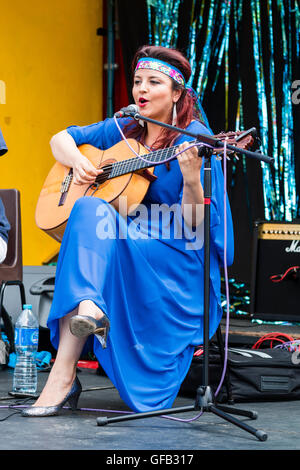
174,115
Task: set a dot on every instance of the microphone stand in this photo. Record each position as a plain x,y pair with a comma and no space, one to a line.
204,396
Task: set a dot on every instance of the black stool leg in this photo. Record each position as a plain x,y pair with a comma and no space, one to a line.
9,329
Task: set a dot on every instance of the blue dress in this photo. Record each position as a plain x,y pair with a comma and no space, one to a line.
144,276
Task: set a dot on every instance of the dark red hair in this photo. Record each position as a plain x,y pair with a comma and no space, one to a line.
184,105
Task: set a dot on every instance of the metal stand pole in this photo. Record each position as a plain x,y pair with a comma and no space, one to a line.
204,397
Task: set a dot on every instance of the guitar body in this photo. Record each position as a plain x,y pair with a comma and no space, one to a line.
52,213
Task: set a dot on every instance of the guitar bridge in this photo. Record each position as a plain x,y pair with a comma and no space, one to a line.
65,185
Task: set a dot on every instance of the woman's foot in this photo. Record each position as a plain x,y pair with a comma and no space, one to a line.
62,383
56,389
41,410
90,320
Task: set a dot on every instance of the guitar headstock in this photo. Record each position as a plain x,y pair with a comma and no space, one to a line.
241,139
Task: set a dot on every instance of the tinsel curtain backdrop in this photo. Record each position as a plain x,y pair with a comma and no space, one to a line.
245,59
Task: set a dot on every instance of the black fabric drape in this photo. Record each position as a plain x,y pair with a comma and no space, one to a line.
245,184
133,29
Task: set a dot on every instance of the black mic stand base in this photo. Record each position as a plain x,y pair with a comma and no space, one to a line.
204,401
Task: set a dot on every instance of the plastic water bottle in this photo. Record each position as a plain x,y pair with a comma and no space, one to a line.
26,345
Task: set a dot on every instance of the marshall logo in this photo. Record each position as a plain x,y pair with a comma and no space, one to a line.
293,248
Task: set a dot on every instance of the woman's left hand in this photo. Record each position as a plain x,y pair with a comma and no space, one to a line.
192,197
190,163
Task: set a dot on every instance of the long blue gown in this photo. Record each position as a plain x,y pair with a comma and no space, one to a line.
149,282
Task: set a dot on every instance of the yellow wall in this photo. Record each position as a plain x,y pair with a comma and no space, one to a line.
51,76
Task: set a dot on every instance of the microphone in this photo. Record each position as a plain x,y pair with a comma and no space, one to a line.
128,111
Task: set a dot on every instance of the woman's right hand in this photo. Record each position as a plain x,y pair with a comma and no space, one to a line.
66,152
84,172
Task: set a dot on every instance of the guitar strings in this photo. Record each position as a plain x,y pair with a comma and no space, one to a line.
157,157
162,152
135,153
135,163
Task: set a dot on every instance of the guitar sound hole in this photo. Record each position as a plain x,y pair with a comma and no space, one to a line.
105,175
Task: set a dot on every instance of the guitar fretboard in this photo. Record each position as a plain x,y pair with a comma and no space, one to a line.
133,164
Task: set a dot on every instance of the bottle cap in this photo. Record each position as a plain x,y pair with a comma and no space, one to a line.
27,307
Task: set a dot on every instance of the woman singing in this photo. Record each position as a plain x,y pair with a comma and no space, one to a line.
137,300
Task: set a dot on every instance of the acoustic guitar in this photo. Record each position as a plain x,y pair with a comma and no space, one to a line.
123,174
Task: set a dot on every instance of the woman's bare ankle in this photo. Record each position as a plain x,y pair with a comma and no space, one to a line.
89,308
56,388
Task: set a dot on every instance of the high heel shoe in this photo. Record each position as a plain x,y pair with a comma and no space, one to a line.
43,411
84,325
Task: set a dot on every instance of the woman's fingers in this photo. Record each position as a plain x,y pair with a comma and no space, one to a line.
84,172
189,161
189,154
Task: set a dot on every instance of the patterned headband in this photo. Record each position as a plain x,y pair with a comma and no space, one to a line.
160,66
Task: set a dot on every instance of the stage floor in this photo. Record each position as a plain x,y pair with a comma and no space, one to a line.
78,430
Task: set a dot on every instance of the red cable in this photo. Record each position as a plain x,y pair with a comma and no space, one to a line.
280,277
198,352
273,337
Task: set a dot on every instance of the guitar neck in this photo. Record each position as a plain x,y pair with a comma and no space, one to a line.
156,157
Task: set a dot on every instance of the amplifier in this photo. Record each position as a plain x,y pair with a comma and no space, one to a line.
275,277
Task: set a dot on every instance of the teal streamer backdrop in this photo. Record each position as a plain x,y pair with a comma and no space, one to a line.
215,43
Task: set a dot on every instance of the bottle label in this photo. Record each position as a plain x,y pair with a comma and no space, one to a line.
26,336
